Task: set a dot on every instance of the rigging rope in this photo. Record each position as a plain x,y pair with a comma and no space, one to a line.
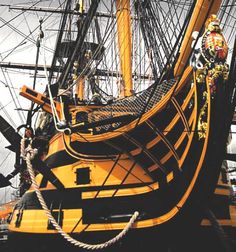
28,154
55,116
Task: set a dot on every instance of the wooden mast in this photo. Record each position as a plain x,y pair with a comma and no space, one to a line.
80,89
125,43
80,80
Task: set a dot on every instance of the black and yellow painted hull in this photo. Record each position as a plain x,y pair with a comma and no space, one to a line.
165,167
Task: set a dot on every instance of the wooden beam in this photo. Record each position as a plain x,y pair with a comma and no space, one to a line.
40,99
98,72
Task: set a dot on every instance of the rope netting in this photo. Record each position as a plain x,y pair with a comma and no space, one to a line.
132,106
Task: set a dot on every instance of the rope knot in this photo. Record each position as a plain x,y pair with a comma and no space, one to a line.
32,152
27,150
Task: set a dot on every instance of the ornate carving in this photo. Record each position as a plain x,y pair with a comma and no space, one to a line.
214,47
214,73
202,120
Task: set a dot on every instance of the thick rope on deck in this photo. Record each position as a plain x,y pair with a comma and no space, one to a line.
28,154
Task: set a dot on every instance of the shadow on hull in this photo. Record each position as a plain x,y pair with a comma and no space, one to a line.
194,240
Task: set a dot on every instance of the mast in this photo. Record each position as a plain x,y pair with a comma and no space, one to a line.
125,43
80,82
59,37
79,41
80,89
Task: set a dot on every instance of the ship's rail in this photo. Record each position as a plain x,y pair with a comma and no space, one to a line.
132,106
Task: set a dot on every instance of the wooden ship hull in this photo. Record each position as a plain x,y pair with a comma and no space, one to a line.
158,170
169,179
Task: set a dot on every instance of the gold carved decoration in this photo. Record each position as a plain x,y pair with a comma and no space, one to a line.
202,123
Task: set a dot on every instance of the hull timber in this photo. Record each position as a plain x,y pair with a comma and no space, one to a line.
167,176
157,153
168,238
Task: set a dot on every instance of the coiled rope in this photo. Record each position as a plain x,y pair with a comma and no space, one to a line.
28,154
